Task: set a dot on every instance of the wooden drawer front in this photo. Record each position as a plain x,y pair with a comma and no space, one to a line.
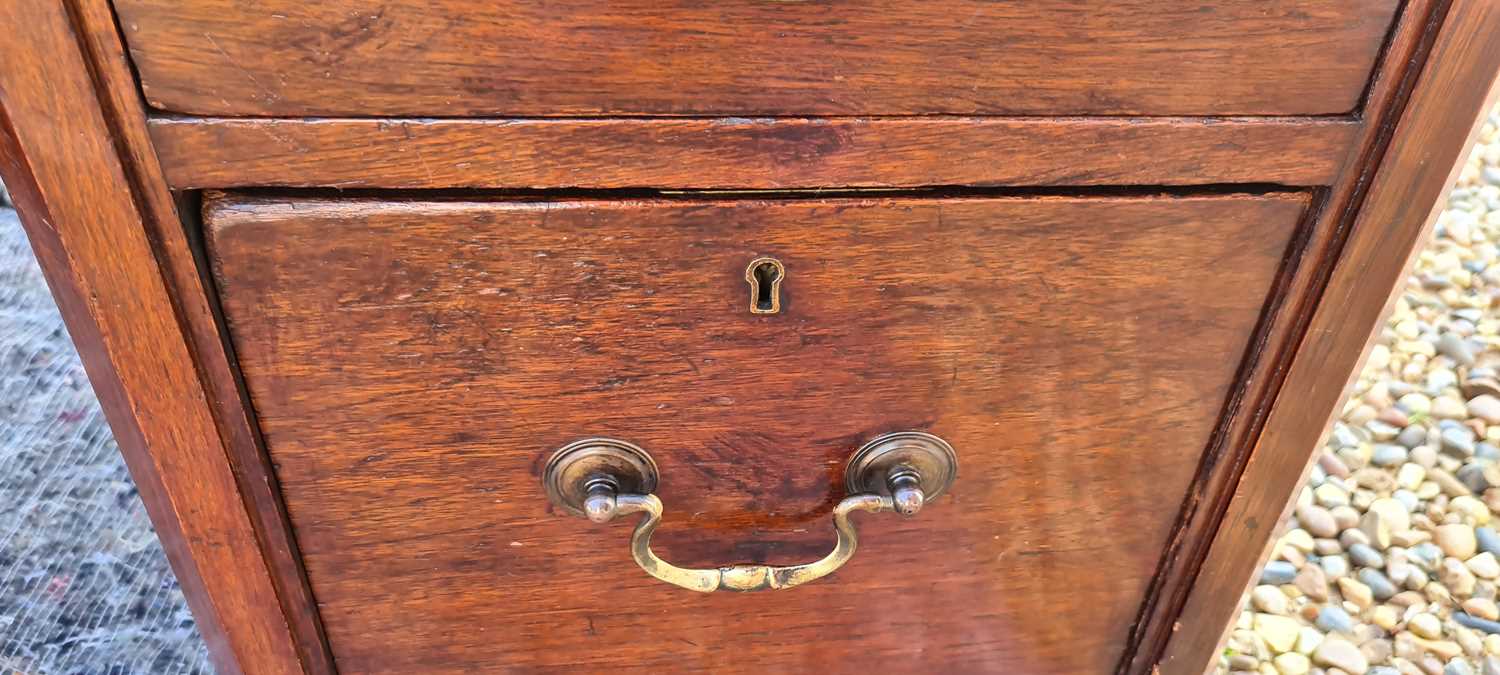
413,364
754,57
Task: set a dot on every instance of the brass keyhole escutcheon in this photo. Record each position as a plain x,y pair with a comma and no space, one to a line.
765,275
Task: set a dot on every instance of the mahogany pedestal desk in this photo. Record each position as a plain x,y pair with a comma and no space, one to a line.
457,336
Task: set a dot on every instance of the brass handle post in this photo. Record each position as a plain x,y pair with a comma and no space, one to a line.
897,472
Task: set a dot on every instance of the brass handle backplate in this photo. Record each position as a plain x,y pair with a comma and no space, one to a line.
602,478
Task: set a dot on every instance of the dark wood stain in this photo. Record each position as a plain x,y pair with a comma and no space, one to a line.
69,169
1390,214
1126,371
763,153
412,363
1285,323
458,58
189,286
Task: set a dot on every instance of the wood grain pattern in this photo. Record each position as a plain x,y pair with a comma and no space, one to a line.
1274,345
1398,206
65,168
457,58
739,153
188,287
413,363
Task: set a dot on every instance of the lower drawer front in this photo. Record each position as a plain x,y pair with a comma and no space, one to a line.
413,365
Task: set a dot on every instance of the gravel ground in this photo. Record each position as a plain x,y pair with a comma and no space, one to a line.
1389,563
84,586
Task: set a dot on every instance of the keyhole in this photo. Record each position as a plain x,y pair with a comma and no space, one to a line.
764,275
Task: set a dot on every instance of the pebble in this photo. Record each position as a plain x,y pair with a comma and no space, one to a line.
1343,436
1428,553
1473,510
1388,454
1380,586
1330,495
1447,483
1484,566
1478,477
1356,592
1458,667
1332,618
1485,407
1456,540
1270,599
1469,639
1345,517
1482,608
1394,511
1386,617
1376,650
1457,442
1443,649
1334,566
1438,380
1410,476
1411,437
1457,577
1279,632
1312,581
1475,387
1302,541
1415,404
1365,556
1317,520
1292,663
1390,416
1487,540
1449,408
1425,625
1456,348
1376,530
1381,430
1408,499
1333,466
1371,480
1337,653
1277,573
1470,621
1308,640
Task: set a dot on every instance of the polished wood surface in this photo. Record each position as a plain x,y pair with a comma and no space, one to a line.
1437,123
414,363
175,245
456,58
1274,345
74,174
765,153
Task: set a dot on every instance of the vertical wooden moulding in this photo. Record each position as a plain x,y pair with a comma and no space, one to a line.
74,150
1308,265
1383,234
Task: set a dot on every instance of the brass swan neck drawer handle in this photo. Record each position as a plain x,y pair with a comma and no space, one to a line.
603,478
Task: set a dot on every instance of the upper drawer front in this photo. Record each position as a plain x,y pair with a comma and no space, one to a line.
413,364
754,57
